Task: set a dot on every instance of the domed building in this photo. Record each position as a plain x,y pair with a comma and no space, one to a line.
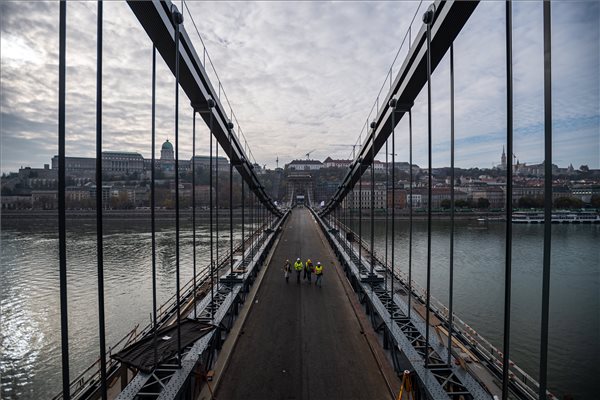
166,152
167,158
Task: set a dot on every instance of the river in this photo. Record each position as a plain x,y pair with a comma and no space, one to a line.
479,262
30,344
30,352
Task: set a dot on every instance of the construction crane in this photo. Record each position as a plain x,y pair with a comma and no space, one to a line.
349,145
308,153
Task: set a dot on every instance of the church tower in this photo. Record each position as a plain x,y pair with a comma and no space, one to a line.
503,159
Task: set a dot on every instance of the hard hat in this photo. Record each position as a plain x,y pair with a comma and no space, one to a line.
309,259
319,263
298,259
287,260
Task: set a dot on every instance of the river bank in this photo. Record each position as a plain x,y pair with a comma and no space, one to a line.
400,215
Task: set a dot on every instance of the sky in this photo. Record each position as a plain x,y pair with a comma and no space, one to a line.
301,77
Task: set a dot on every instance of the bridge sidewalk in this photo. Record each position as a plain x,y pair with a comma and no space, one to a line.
301,341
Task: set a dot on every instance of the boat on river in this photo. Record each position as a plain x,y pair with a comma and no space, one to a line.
558,217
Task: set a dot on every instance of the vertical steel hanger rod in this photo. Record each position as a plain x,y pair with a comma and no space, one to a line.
177,19
509,191
99,225
547,198
194,209
451,266
153,199
62,229
428,19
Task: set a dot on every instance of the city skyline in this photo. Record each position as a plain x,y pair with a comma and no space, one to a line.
268,74
502,159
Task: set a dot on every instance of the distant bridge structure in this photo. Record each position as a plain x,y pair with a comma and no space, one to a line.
300,184
374,324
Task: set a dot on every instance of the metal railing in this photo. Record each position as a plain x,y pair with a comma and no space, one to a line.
461,330
87,379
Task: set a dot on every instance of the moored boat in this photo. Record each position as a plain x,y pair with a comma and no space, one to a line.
558,217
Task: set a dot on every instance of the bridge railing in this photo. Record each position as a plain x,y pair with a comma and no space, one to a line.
461,330
91,375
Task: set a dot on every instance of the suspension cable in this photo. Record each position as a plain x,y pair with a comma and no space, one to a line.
410,212
428,19
393,106
217,209
352,214
360,193
230,128
177,19
211,104
509,191
451,266
386,211
153,201
99,221
243,200
194,208
372,200
547,197
62,231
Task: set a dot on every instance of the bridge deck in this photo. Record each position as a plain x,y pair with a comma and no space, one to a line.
301,341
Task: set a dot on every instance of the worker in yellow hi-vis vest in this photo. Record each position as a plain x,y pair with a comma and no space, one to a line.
298,267
319,274
308,270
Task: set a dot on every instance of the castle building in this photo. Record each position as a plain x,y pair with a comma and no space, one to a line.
125,163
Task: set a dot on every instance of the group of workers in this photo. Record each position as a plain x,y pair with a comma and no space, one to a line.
308,269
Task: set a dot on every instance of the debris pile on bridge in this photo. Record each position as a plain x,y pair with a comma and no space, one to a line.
149,352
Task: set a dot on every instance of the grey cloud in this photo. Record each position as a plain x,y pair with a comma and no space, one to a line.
295,73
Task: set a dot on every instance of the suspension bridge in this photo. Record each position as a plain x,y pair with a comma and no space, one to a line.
236,329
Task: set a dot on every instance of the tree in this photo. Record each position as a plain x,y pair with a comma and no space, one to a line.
568,202
584,168
461,203
531,202
483,203
121,202
595,202
446,203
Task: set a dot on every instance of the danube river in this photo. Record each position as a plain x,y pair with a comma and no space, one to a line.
30,346
30,353
574,337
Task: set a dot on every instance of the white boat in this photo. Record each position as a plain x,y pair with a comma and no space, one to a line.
558,217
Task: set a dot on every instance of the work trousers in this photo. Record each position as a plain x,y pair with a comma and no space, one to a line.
307,274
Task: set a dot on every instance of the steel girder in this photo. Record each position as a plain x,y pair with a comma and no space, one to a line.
440,381
449,19
155,18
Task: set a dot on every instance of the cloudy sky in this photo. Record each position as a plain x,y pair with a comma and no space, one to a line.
301,76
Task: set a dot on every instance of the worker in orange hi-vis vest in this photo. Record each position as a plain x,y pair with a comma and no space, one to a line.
319,274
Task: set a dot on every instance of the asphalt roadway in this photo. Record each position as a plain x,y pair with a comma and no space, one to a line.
301,341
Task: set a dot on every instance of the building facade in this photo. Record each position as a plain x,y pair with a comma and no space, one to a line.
304,165
118,163
362,198
331,163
